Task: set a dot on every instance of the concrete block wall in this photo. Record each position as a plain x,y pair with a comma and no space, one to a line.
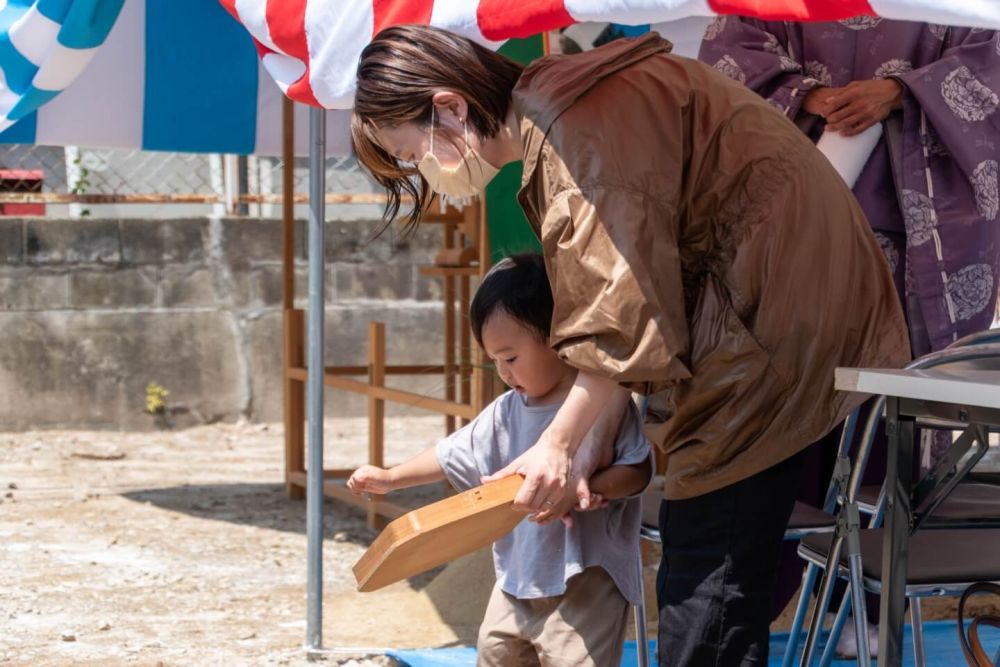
93,310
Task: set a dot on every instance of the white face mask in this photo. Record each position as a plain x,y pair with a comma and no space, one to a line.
467,179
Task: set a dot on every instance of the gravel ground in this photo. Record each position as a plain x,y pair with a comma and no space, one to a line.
182,548
172,548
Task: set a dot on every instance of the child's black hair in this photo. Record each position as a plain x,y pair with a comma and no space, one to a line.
516,285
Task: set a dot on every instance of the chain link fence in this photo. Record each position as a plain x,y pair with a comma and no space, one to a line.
81,182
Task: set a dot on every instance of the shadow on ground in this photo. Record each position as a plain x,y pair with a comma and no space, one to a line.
268,506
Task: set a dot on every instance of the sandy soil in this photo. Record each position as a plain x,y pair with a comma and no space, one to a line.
181,548
177,548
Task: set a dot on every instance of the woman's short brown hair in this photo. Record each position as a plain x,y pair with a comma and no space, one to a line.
399,72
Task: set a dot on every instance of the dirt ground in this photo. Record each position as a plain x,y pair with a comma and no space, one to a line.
181,548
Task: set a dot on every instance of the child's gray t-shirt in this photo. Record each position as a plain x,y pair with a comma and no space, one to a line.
535,561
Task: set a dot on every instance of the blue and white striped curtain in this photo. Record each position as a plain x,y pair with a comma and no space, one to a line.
44,45
171,75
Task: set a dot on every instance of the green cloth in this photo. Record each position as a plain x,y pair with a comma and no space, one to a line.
508,228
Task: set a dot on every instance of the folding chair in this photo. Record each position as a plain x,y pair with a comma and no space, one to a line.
930,572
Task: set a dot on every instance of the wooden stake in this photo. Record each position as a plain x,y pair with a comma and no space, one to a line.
287,203
449,332
465,346
482,377
293,321
295,402
376,410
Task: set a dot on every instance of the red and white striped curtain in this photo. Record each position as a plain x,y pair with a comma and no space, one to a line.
311,47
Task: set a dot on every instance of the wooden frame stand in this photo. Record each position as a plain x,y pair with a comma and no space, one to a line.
468,382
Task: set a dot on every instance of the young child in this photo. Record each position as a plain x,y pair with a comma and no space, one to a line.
563,589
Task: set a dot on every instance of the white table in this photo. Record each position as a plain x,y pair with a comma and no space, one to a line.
963,395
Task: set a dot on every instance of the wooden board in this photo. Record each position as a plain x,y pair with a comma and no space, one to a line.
438,533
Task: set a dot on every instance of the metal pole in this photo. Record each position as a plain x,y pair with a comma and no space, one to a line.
917,623
858,601
801,609
836,630
74,177
242,185
217,177
641,642
314,385
823,599
896,535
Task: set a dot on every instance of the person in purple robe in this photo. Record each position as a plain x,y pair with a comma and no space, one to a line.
930,186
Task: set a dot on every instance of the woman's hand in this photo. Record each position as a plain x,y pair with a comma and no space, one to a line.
577,494
594,501
860,104
546,471
560,511
549,468
371,479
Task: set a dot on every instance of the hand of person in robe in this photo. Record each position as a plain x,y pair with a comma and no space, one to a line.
860,104
816,101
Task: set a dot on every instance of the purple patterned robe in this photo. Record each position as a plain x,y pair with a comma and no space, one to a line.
930,188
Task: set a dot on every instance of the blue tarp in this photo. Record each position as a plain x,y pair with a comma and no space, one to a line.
940,642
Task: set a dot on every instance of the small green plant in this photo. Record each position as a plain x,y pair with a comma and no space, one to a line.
156,399
82,181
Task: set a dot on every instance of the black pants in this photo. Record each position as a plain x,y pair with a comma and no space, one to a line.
720,560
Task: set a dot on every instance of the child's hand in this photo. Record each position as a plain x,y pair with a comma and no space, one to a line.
597,501
370,479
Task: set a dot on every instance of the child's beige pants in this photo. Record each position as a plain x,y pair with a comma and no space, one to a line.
584,627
